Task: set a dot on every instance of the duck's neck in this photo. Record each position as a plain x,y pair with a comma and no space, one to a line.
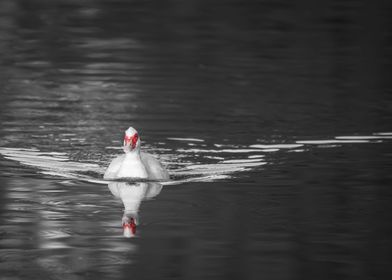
132,166
135,154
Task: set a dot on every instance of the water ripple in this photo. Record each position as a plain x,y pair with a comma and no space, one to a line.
198,163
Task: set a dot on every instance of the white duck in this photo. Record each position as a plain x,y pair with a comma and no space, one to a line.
134,163
131,195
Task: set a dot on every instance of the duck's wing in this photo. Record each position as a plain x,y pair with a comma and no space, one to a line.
154,168
114,166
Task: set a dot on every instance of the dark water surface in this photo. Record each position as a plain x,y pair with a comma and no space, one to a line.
273,118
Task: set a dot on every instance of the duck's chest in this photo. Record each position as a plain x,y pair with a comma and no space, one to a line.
133,167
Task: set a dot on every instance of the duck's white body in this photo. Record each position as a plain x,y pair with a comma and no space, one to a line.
135,164
140,166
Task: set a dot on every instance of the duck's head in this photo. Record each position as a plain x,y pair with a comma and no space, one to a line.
131,140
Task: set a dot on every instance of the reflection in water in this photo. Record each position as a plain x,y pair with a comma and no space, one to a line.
131,195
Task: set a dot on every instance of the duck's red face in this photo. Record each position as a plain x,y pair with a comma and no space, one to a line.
131,140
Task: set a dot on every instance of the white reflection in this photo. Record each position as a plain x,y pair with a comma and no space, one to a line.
131,195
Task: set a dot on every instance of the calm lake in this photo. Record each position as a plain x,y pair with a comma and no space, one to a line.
274,119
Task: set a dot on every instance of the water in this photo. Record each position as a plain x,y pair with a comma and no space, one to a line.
273,118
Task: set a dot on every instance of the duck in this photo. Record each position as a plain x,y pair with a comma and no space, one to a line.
135,164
